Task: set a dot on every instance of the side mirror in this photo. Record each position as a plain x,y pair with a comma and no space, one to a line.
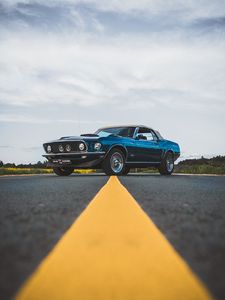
141,137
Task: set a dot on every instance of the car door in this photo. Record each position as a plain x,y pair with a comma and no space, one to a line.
147,147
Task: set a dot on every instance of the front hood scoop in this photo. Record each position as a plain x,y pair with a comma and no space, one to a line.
83,137
89,135
71,138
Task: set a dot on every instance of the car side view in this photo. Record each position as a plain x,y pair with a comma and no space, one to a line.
115,150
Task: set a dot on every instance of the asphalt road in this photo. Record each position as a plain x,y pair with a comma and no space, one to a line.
190,211
35,211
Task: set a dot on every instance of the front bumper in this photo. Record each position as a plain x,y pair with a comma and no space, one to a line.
76,160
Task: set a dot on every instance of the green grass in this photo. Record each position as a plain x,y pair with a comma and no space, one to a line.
18,171
185,169
23,171
189,169
200,169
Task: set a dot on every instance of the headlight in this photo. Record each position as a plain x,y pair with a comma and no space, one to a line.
81,146
97,146
61,149
49,149
68,148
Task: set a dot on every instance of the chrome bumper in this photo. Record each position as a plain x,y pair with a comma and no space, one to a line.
79,160
75,154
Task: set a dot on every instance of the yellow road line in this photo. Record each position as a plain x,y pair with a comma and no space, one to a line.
113,251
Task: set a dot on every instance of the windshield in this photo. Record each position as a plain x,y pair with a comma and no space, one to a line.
121,131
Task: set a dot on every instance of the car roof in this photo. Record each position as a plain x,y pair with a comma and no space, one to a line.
118,126
126,126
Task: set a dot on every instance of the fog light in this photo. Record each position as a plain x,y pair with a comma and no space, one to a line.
49,149
61,149
81,146
68,148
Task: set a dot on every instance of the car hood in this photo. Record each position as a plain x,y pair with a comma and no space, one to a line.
76,138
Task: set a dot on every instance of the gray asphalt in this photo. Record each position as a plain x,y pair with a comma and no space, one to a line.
190,211
35,211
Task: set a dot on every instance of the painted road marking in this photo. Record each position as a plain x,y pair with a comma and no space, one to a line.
113,251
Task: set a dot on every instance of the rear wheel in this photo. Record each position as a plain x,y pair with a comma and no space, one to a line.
63,171
114,163
167,165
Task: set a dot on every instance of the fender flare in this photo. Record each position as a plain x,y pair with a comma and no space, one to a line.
166,151
118,146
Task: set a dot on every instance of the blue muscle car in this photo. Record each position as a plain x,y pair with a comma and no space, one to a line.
113,149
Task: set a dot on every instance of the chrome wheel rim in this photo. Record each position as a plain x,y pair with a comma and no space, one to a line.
116,162
169,163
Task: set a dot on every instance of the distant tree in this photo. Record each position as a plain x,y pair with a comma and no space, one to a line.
214,161
39,164
1,163
10,165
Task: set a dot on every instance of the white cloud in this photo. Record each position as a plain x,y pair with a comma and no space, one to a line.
81,78
201,8
14,118
88,72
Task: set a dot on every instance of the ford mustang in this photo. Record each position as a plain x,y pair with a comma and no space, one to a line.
114,149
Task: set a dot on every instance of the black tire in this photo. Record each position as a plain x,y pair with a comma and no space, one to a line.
126,170
63,171
167,164
114,163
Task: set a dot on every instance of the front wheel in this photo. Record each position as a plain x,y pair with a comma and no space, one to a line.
167,164
126,170
114,163
63,171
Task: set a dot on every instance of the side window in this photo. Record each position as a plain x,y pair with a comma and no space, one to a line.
149,136
147,133
127,132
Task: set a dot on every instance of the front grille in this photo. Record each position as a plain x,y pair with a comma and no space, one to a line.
74,146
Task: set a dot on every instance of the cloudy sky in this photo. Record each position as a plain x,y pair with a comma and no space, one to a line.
68,67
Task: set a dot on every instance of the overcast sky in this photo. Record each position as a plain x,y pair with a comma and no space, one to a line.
68,67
